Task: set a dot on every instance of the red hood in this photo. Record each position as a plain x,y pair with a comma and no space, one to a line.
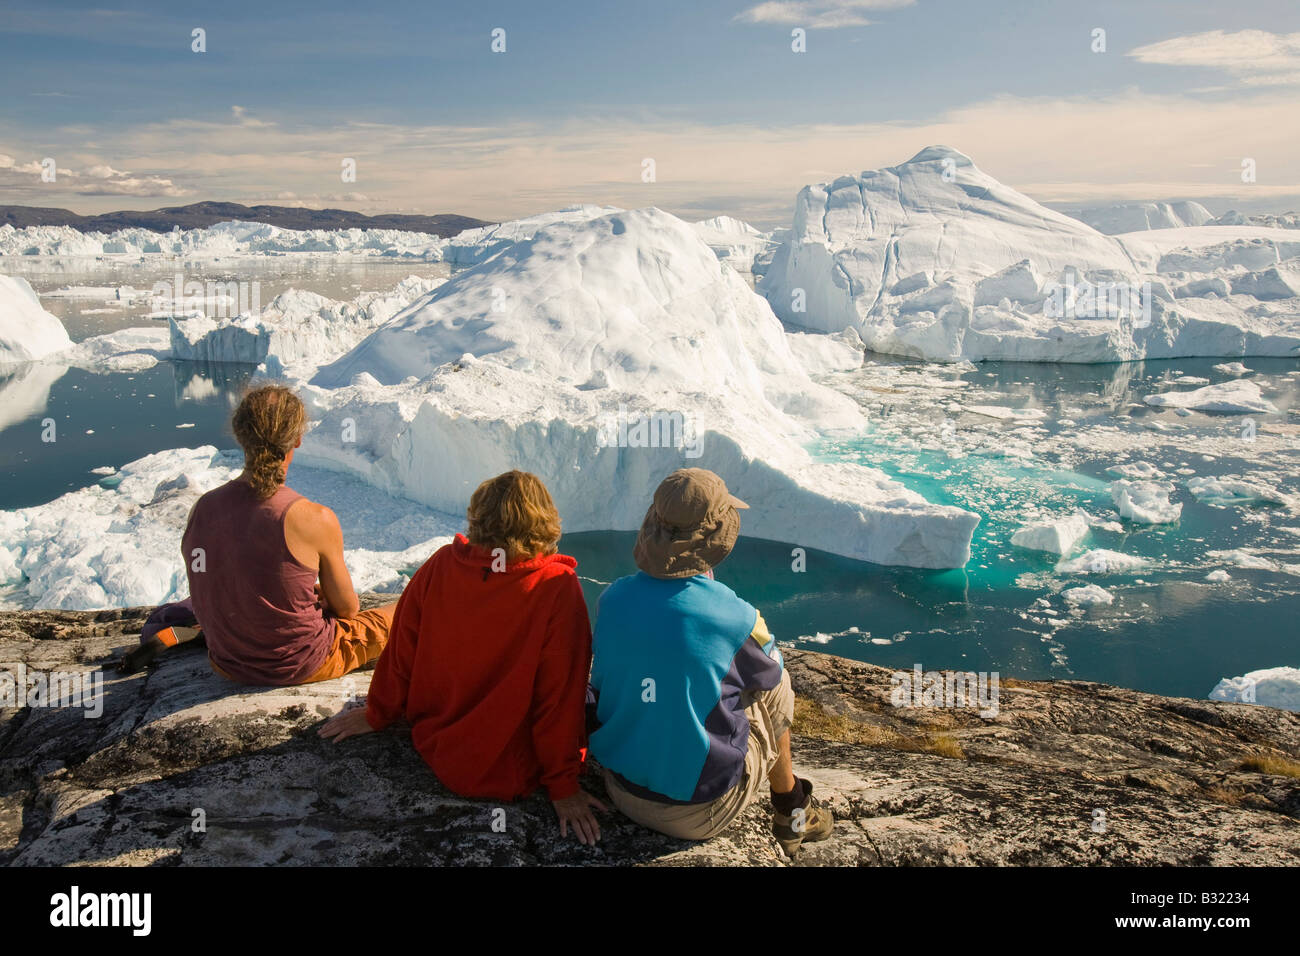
476,557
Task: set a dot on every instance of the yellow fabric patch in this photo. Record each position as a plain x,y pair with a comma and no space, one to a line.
760,632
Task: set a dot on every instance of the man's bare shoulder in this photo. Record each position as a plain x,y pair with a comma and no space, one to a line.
312,520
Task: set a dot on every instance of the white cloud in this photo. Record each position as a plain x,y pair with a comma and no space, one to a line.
1253,57
817,14
97,179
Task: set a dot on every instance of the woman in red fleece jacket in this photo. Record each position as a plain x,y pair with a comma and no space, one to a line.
488,658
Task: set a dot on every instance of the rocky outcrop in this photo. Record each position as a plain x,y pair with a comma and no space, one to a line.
183,767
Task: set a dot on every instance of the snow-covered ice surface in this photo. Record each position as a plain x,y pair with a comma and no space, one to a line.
935,259
1272,687
27,331
120,546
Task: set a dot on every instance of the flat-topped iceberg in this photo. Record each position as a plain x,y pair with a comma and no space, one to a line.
602,354
934,259
27,331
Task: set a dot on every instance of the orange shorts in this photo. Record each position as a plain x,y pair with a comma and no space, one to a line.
357,642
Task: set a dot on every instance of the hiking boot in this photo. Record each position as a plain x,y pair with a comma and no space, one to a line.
810,823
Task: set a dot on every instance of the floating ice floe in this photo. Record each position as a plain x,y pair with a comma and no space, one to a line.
1244,559
27,331
1218,576
1146,502
1272,687
1100,561
1237,397
590,339
1089,595
1002,413
1233,489
1058,536
1235,369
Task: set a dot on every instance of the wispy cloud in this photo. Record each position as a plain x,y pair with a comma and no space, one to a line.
746,170
1253,57
96,180
818,14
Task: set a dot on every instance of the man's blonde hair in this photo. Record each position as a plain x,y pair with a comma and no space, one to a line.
514,511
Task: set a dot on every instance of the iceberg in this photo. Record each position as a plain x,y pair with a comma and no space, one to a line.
27,331
934,259
544,354
1272,687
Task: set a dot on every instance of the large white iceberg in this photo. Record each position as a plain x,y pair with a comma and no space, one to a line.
27,331
558,351
934,259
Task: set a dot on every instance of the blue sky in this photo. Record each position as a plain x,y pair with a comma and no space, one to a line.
734,119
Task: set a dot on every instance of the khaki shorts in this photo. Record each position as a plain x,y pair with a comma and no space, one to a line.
770,716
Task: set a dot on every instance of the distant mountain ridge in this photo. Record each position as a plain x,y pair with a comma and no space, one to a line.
200,214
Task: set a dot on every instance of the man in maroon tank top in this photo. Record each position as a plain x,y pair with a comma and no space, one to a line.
254,550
